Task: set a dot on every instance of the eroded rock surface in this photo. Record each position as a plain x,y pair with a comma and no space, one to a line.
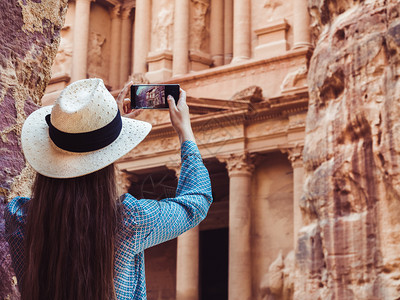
349,246
29,38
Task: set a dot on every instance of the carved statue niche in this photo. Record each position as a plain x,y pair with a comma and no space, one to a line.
63,60
138,78
95,54
199,31
163,28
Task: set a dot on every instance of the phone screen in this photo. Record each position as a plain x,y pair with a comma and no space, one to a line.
153,95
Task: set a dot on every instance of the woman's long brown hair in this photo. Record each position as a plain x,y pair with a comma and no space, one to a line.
69,238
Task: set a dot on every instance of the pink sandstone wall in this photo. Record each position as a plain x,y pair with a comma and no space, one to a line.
272,215
349,247
29,38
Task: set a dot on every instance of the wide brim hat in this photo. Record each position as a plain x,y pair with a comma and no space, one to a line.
81,133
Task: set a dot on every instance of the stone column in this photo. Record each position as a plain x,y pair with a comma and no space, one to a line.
180,62
217,32
126,41
241,31
295,155
187,258
133,45
301,24
81,38
115,46
228,31
187,265
240,168
142,35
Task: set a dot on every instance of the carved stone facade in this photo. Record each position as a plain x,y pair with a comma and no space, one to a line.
248,98
301,143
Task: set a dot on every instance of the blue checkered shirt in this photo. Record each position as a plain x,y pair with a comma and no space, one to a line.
145,223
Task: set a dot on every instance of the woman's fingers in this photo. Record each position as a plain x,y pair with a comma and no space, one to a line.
182,97
171,103
124,91
126,104
122,97
133,113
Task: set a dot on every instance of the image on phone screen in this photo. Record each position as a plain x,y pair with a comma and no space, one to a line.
152,96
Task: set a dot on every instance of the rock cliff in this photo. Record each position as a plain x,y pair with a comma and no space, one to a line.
29,38
349,245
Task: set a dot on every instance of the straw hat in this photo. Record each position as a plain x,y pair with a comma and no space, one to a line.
81,133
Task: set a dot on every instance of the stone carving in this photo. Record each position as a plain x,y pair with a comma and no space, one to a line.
115,11
175,166
63,60
126,12
163,29
138,78
95,55
199,31
272,282
141,149
155,146
295,155
252,93
278,282
212,131
238,163
155,117
295,79
123,181
276,9
349,247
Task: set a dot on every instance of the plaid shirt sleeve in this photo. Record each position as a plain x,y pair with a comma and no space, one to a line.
192,201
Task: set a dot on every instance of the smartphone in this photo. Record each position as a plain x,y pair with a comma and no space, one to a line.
153,95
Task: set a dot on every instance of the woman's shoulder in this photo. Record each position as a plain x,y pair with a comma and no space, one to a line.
15,213
17,206
140,211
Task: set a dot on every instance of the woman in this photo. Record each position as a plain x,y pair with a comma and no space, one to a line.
76,239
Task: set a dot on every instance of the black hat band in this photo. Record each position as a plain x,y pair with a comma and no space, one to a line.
86,141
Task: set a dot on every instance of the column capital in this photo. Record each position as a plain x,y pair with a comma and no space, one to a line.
115,11
126,12
238,163
123,180
174,166
295,155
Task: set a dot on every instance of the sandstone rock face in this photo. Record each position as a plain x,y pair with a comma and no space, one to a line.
29,38
349,247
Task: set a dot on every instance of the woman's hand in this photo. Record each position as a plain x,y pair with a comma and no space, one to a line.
180,117
124,104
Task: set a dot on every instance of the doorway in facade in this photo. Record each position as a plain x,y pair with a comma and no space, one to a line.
214,264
